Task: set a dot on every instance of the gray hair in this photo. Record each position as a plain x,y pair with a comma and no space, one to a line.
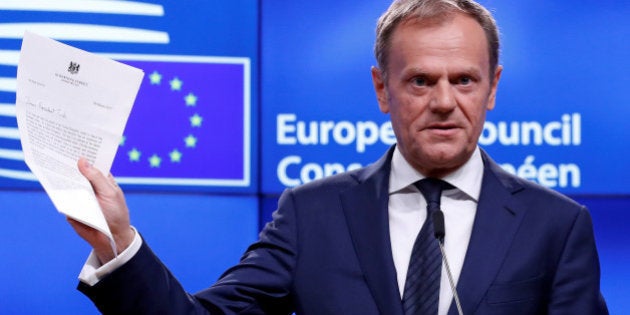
429,10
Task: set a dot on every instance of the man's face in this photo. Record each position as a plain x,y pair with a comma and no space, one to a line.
437,91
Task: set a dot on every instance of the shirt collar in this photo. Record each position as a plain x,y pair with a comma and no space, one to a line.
467,178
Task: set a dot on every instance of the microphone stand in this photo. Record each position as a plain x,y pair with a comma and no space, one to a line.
440,231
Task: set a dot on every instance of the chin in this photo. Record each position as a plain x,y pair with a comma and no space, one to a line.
443,159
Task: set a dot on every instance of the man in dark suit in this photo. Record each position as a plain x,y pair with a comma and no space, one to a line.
344,245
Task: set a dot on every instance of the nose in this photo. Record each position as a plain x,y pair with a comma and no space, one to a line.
443,99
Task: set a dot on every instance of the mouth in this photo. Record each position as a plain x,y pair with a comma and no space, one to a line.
442,129
442,126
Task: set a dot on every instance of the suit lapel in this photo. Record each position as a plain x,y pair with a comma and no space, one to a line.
496,222
365,208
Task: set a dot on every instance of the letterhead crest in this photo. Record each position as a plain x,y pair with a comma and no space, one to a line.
73,68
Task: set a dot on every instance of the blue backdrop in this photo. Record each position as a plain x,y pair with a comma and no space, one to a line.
284,95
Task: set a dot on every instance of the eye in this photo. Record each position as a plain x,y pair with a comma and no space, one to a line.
465,80
419,81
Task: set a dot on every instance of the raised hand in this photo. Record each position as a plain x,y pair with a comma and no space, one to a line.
114,207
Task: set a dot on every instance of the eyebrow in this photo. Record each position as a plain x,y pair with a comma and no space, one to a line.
424,72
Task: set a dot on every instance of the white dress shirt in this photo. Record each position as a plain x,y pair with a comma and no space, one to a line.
93,270
407,213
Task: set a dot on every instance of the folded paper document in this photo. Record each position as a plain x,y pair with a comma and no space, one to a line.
71,104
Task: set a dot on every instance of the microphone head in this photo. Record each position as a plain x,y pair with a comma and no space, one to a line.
438,225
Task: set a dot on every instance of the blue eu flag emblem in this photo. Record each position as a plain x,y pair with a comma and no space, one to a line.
189,124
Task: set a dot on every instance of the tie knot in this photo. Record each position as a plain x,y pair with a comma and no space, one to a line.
431,189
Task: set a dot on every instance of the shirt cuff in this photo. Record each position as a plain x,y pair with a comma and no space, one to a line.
93,271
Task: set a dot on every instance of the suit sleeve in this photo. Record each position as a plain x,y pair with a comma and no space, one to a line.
141,286
576,283
260,284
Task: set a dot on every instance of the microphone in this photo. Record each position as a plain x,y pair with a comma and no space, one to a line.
439,232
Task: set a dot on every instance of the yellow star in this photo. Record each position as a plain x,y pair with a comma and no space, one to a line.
155,161
176,84
195,120
191,99
134,155
190,141
176,156
155,78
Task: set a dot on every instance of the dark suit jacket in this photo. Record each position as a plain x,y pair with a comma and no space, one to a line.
328,251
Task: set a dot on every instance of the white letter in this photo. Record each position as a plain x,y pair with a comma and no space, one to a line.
282,170
527,170
333,168
547,175
387,133
535,128
577,129
339,130
509,168
566,129
503,133
284,128
548,131
353,166
311,168
303,137
367,133
491,130
565,170
324,128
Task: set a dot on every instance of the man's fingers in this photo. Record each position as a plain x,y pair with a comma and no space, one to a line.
99,182
96,239
76,224
112,180
88,233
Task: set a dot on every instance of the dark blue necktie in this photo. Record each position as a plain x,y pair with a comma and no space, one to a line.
422,287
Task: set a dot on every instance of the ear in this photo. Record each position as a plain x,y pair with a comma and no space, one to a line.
492,98
379,88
